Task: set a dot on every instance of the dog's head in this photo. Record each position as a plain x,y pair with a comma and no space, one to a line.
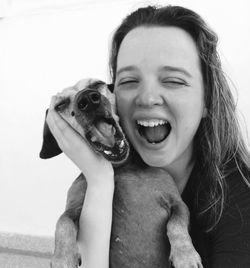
89,107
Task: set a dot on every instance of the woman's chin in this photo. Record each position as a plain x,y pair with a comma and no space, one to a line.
154,158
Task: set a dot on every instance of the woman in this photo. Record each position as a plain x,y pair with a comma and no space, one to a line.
178,112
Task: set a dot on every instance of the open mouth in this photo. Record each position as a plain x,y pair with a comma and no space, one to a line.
154,131
107,138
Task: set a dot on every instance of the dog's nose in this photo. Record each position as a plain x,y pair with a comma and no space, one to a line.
89,101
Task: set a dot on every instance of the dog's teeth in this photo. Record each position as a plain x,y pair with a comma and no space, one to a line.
93,138
121,144
107,152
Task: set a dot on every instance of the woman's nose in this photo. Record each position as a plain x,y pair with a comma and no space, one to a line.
149,95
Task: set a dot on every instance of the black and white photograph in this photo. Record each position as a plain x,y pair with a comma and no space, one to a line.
125,137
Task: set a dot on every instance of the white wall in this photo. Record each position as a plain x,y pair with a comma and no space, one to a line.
44,50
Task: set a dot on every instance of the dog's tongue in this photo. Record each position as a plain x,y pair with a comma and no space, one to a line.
107,132
155,134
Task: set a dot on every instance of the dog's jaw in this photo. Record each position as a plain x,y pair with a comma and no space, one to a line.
118,152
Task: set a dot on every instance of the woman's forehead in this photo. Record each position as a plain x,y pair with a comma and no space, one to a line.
159,46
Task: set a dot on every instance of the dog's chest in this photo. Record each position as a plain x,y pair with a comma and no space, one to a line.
140,213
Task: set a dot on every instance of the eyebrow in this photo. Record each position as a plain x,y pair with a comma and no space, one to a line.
167,68
176,69
126,69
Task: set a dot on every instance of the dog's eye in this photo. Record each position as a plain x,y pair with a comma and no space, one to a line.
62,105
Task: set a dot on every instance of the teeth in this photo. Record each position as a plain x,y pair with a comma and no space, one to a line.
93,139
107,152
121,144
151,122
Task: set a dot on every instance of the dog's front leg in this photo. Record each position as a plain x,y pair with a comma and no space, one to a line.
66,253
183,253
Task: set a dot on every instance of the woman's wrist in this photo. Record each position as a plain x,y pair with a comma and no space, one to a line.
102,187
101,180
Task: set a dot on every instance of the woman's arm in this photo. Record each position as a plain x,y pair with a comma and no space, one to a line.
96,216
95,227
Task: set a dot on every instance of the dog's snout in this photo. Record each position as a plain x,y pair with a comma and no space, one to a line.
89,100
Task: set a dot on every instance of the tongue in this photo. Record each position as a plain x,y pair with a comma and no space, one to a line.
155,134
105,134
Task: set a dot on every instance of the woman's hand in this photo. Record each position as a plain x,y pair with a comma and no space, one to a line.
96,168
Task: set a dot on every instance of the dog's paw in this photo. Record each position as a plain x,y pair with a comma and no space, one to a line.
66,261
185,257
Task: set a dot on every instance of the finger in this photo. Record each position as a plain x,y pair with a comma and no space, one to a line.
54,120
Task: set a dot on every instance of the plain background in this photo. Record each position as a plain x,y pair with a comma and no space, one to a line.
46,46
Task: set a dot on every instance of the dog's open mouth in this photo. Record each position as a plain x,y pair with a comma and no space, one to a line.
107,138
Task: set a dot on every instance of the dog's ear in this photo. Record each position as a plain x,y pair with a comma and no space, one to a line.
50,147
111,87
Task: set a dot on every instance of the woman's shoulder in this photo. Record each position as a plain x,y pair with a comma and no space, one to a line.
231,236
237,198
228,244
237,180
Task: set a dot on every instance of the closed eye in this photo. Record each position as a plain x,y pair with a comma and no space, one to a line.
62,105
128,82
174,82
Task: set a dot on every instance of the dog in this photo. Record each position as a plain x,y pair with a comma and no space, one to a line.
150,221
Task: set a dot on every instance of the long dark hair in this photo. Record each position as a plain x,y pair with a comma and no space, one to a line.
218,140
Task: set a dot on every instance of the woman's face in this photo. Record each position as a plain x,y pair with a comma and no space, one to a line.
160,94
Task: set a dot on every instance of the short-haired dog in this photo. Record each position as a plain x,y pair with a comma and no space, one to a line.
150,221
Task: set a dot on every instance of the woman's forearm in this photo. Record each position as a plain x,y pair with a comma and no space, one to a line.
95,226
